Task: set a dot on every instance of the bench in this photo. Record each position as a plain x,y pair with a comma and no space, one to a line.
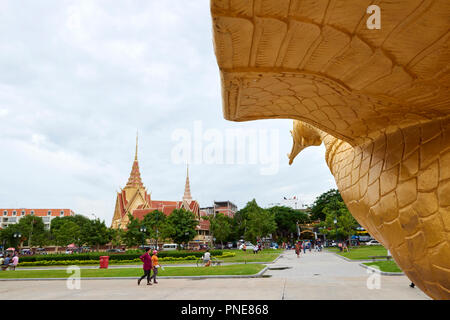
4,267
380,257
216,262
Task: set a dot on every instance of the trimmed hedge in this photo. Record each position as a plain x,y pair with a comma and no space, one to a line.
113,256
95,262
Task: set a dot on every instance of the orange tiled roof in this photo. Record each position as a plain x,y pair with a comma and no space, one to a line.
37,212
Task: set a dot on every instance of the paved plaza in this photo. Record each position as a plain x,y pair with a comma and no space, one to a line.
315,275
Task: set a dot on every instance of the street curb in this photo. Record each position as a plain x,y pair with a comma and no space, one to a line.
277,258
382,272
350,260
257,275
357,260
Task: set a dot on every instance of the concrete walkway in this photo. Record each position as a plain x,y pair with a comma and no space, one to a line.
323,275
315,275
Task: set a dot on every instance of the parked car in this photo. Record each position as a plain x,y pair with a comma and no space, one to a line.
372,243
332,244
25,252
248,245
115,250
41,251
169,246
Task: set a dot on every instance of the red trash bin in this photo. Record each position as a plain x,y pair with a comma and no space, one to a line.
104,260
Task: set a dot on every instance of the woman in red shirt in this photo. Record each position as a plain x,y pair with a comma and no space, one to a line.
145,258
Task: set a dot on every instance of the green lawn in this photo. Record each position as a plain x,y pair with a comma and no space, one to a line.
248,269
267,255
361,253
385,266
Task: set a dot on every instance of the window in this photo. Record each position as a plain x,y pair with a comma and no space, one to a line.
14,212
49,213
23,212
5,213
61,213
32,212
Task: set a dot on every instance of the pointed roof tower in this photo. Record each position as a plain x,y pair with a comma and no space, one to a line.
187,189
135,176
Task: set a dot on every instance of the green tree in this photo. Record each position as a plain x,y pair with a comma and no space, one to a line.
33,230
346,225
67,232
133,236
117,237
317,209
82,236
7,236
286,219
96,233
220,227
156,224
260,222
181,226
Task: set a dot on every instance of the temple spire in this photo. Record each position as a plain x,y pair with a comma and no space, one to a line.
135,176
187,189
136,157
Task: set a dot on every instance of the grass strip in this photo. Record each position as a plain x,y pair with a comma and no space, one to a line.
361,253
384,266
249,269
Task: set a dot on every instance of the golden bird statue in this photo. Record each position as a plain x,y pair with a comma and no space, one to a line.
378,98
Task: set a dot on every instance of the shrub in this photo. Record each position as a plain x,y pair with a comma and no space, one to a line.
116,261
95,256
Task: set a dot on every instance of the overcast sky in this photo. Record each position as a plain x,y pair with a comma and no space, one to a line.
79,78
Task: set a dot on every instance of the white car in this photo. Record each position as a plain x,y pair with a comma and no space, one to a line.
248,246
372,243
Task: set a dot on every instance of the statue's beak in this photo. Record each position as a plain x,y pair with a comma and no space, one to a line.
303,136
296,149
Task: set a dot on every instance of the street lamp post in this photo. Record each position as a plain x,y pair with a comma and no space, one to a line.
17,235
143,229
335,228
157,232
186,234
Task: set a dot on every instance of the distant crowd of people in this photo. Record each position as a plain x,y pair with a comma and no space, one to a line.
303,245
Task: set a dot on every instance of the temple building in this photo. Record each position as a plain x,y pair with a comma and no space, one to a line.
136,200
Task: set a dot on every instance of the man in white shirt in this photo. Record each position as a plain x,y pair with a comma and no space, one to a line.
207,258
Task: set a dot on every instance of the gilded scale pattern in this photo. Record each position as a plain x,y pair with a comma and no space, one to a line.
378,99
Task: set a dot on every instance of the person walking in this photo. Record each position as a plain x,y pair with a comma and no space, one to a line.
145,258
155,265
297,249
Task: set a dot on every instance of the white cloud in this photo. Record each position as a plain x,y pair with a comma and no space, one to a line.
79,77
